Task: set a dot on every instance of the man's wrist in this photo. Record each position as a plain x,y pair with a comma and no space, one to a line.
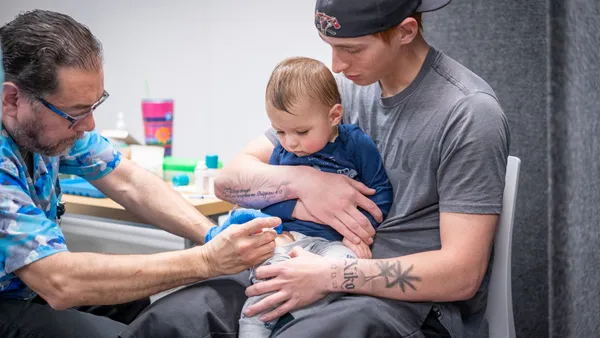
204,263
345,275
335,275
298,175
203,226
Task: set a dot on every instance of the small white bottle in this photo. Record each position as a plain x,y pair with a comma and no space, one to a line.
121,125
205,174
119,134
200,178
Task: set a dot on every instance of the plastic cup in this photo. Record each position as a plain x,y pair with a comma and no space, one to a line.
158,123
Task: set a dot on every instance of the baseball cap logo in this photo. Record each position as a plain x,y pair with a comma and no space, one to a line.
325,23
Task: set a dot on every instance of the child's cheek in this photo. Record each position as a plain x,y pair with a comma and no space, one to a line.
312,146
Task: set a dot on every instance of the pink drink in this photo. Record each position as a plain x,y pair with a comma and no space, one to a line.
158,123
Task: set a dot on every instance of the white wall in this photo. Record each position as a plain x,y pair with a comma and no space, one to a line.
213,57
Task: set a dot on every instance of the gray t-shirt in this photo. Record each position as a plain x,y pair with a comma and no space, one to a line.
444,142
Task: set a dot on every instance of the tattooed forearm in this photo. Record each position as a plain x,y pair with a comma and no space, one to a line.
334,282
371,276
254,198
243,194
350,274
394,276
253,184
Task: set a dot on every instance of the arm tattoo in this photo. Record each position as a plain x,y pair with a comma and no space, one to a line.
256,198
393,274
350,274
334,282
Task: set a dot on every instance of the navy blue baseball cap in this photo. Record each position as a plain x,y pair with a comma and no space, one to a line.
353,18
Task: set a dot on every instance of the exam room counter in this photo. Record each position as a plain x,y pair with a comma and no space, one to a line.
102,225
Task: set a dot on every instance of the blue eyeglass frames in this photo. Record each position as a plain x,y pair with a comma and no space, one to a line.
74,120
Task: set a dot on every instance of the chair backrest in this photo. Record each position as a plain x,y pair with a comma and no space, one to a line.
499,303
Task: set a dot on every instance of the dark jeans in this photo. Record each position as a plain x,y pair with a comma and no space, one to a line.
36,319
211,309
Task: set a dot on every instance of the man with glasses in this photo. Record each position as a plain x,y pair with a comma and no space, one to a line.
74,119
54,82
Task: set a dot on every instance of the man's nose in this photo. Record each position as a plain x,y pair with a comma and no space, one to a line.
337,64
87,124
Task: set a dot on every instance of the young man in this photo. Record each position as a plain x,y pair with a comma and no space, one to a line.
54,82
444,140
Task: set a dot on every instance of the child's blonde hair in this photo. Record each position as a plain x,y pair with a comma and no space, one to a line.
299,78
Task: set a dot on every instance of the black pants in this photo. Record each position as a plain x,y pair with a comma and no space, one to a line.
36,319
211,309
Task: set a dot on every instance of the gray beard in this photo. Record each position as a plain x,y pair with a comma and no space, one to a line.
28,138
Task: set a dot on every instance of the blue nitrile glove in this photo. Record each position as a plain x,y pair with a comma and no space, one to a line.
238,216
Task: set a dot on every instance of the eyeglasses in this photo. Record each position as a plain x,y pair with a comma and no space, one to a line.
74,120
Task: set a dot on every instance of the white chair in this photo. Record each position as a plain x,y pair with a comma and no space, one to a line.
499,303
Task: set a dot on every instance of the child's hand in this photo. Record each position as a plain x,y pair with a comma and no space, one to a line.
362,250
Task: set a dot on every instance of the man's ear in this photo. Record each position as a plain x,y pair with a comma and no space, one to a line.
335,114
407,30
10,99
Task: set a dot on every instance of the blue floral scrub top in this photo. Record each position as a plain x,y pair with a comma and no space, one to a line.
1,82
28,224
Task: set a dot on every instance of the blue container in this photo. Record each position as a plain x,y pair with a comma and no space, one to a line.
211,161
180,180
